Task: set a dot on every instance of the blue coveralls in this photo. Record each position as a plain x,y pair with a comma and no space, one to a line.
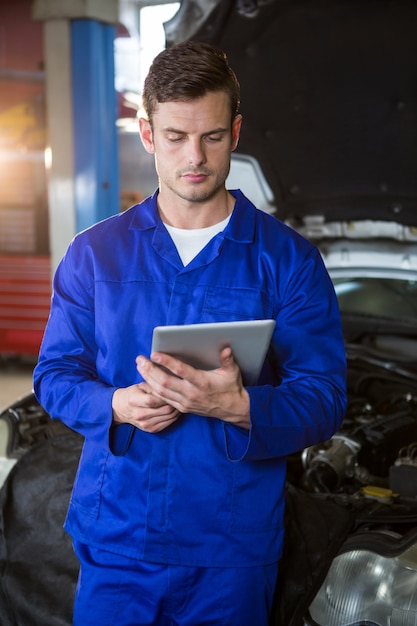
201,493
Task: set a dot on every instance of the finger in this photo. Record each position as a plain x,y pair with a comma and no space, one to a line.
171,389
226,357
175,367
163,371
147,397
145,388
155,425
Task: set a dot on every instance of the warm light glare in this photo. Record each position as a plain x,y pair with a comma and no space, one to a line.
48,157
152,34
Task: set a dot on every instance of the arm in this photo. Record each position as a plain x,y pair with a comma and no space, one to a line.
308,404
65,378
86,386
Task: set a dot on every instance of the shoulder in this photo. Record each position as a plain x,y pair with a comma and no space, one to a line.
270,228
111,241
140,215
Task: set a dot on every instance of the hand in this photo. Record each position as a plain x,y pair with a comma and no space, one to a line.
217,393
138,406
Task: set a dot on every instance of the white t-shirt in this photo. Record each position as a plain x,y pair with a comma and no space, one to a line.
189,242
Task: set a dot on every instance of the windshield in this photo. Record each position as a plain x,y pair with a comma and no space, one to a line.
381,297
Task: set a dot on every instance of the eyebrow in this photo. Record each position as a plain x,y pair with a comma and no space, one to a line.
170,129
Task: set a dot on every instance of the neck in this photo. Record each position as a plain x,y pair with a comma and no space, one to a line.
181,213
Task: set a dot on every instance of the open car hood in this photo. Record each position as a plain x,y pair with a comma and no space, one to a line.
329,100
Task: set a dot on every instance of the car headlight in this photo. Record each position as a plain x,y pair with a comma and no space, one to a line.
363,587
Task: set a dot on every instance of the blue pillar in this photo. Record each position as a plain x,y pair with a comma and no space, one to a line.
81,115
94,105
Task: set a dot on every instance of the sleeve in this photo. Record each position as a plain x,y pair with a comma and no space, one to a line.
65,377
308,404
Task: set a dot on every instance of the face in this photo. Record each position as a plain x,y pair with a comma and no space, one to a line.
192,142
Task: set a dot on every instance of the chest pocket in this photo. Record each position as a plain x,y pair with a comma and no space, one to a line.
230,304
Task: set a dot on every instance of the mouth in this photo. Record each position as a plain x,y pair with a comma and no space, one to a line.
195,177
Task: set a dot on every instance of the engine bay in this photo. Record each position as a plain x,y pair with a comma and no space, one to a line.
370,465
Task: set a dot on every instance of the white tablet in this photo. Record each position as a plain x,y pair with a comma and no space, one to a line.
199,344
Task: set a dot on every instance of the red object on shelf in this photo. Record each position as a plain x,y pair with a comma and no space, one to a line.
25,296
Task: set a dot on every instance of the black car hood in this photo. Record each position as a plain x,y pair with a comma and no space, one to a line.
329,99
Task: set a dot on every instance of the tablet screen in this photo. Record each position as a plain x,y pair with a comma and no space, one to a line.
199,344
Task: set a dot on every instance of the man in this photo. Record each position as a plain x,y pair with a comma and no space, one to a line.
177,508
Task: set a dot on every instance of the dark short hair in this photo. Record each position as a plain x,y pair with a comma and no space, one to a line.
188,71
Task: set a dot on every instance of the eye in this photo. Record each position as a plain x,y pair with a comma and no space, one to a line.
175,138
214,138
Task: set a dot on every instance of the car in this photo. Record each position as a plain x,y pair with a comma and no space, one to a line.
369,467
329,115
328,145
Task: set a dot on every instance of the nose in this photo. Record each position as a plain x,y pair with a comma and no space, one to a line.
196,155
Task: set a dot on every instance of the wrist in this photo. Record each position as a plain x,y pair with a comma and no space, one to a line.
241,411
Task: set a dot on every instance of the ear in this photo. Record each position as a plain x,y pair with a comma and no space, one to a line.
145,131
236,125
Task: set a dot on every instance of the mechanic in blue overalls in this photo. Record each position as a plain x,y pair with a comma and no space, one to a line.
177,508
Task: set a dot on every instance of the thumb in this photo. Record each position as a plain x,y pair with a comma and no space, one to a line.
226,357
